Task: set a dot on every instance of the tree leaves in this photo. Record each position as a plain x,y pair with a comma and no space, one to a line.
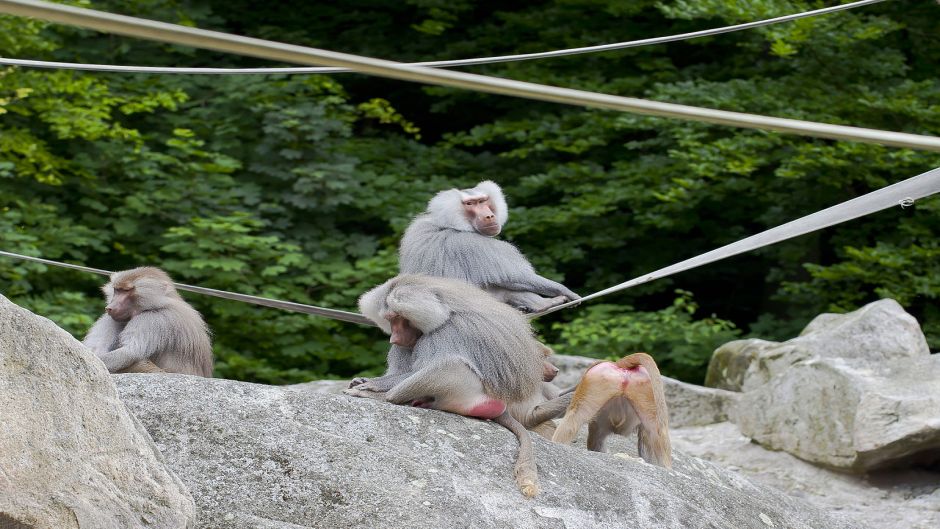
298,187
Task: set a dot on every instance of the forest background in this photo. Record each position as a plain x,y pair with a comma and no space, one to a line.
299,187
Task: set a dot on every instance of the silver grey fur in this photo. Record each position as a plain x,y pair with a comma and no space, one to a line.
442,243
458,321
471,344
167,331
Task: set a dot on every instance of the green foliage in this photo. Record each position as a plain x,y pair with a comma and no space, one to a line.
680,343
298,187
904,266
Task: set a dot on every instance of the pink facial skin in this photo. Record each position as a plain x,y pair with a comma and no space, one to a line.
123,305
404,334
480,213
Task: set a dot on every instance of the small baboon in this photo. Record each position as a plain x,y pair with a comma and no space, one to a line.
148,328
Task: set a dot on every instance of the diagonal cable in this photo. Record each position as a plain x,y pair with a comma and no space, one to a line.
901,194
200,38
334,314
440,64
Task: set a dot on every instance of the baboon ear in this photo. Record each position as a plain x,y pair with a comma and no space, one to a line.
420,306
446,210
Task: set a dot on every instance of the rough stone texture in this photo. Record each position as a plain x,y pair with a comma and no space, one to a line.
289,457
849,414
879,331
689,405
901,499
731,362
70,454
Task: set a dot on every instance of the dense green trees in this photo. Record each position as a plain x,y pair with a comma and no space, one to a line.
298,187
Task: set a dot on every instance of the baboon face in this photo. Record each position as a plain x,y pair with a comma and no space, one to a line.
122,304
479,211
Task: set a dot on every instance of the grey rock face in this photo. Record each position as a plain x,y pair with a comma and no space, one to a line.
291,457
855,392
849,414
879,331
734,361
70,454
691,405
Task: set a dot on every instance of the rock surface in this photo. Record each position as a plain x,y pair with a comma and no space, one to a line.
290,457
879,331
855,392
70,454
901,499
849,414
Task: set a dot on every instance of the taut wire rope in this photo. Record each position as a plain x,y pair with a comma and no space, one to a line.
439,64
901,194
200,38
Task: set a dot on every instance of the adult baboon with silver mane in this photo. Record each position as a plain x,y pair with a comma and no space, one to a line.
455,238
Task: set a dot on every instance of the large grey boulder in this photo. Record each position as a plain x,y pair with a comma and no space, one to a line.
879,331
856,392
292,457
70,454
849,414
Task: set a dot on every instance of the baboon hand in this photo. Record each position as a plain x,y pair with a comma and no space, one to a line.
357,381
367,394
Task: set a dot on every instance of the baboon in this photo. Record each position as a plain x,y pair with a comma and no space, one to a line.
148,328
455,238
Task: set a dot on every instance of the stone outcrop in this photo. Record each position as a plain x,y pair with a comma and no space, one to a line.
876,332
849,414
300,456
855,392
70,453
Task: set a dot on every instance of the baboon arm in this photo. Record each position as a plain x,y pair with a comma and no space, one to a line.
123,357
548,410
540,285
139,340
103,335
